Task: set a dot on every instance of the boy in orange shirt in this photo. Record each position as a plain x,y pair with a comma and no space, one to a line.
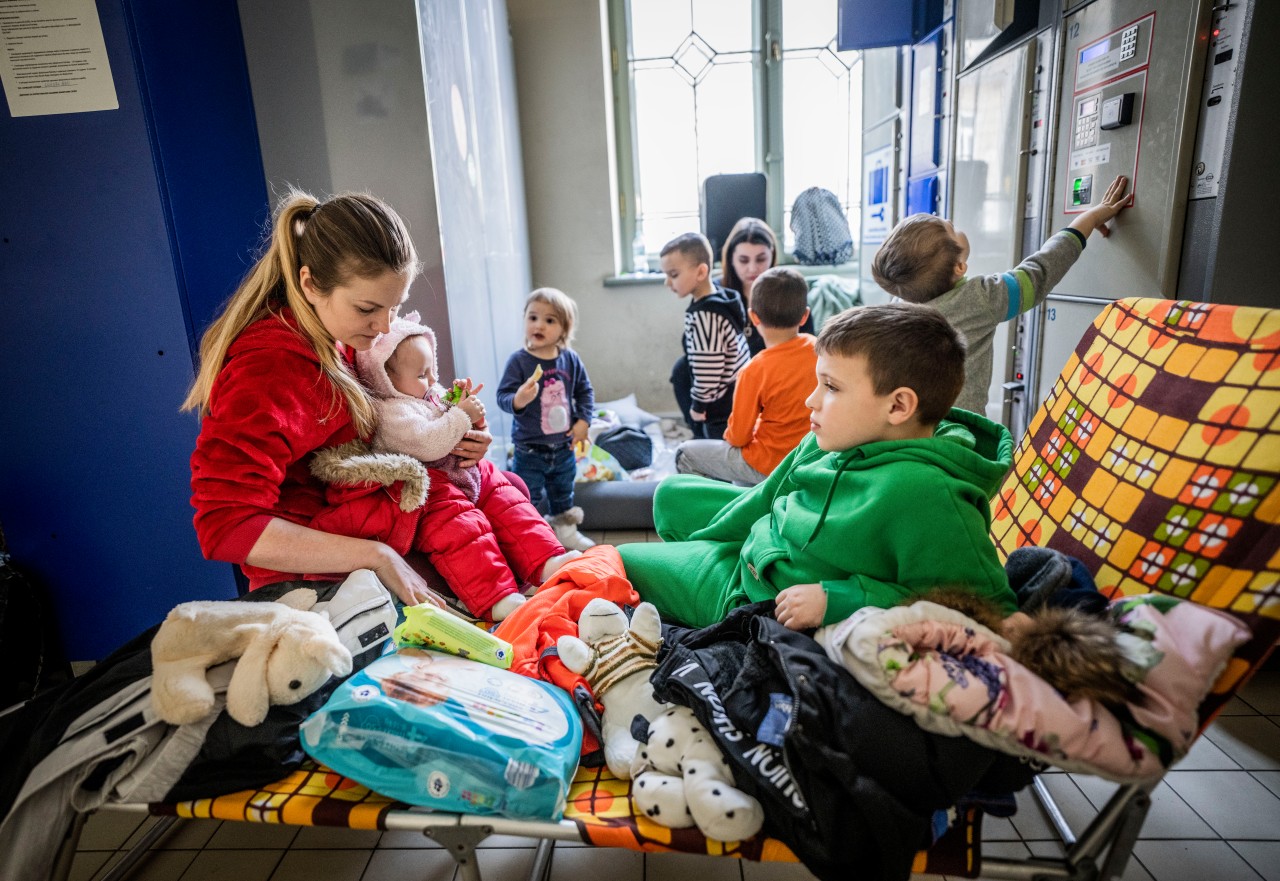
769,414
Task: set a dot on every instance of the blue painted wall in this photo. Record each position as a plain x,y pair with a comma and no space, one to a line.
120,233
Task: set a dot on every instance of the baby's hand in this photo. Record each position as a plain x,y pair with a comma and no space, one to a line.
1015,624
801,606
579,431
474,408
697,417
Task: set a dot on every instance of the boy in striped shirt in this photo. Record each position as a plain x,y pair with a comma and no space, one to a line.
715,348
924,258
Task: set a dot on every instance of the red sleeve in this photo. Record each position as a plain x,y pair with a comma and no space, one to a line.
270,408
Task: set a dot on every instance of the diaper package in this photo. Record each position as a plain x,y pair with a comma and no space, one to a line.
451,734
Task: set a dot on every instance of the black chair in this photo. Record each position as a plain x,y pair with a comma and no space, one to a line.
727,198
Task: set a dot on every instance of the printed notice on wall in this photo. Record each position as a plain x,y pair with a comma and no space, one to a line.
53,58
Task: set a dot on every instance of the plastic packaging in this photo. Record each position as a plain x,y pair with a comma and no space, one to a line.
426,626
451,734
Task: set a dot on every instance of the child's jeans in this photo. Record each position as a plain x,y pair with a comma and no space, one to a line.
549,471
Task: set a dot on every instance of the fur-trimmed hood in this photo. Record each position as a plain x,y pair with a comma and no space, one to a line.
371,364
354,463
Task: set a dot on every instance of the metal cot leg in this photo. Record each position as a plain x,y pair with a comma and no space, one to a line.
541,870
461,843
140,850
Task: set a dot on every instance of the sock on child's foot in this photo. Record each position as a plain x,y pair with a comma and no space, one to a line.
552,566
505,606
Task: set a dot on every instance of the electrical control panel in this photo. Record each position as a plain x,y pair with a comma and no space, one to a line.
1126,107
1220,72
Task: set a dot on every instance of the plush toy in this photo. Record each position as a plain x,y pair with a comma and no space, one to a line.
285,653
679,778
616,658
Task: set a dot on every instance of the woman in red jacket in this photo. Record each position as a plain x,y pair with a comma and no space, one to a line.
275,384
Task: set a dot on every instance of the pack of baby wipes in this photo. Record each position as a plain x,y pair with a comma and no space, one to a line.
451,734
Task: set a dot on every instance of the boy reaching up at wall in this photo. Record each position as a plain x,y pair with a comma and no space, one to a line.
924,260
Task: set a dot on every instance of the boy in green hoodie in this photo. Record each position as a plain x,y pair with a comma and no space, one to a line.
886,498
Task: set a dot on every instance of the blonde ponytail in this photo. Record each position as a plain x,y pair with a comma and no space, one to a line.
350,234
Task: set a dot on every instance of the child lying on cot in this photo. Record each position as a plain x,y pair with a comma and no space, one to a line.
886,498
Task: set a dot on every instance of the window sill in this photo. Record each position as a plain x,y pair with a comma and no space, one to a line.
844,270
634,279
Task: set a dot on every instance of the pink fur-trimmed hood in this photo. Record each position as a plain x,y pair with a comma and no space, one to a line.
371,364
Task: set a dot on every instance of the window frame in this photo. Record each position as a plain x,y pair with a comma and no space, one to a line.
766,35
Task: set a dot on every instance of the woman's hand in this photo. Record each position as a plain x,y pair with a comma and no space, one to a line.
472,448
800,606
579,431
408,586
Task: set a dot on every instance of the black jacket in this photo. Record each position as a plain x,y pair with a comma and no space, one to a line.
847,783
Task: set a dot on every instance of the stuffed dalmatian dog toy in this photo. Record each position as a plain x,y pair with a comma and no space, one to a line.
679,778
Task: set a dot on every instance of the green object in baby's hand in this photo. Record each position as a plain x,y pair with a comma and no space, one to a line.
455,394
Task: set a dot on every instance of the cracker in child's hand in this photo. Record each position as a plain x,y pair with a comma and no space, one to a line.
537,372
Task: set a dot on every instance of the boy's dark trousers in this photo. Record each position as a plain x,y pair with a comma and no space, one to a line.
717,411
549,470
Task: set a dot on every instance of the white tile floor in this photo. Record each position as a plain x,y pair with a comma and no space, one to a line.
1215,818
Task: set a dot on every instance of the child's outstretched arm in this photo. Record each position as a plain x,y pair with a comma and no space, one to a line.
1028,284
1113,200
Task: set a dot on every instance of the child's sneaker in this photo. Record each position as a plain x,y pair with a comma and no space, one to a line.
565,525
505,606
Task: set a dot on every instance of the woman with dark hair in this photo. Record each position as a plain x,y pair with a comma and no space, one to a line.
750,249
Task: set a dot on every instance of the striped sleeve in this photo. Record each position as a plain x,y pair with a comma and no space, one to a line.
716,350
1030,282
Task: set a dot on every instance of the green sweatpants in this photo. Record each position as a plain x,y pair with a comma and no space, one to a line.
690,582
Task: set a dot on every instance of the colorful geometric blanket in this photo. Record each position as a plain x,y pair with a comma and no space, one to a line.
600,806
1155,461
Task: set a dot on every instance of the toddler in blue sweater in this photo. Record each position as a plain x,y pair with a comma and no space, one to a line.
546,388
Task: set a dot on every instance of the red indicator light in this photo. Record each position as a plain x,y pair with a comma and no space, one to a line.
1216,32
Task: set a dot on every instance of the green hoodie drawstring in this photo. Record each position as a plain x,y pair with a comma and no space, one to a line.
831,492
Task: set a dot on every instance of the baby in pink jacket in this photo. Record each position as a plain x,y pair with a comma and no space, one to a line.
414,417
480,532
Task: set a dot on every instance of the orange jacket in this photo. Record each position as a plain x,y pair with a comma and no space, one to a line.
769,415
534,627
